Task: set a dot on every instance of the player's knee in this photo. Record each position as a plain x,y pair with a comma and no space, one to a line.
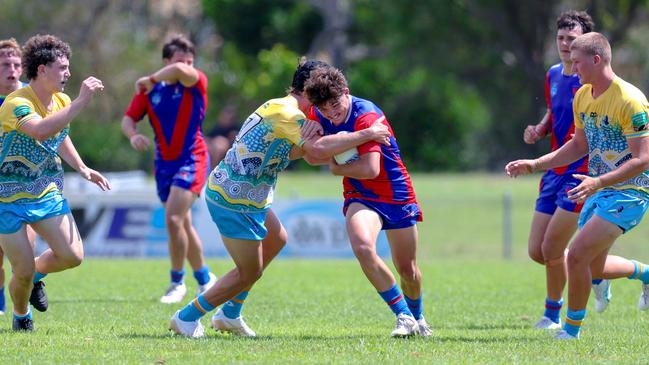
174,221
575,260
24,274
408,271
250,276
536,254
363,252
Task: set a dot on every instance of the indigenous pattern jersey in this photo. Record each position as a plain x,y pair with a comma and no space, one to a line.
393,184
246,178
29,169
176,114
609,121
560,90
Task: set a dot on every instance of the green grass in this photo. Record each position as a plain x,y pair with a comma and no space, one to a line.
106,311
324,311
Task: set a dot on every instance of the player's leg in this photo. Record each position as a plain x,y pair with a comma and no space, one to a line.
3,304
248,258
614,267
202,274
540,222
363,227
595,239
403,246
20,255
228,317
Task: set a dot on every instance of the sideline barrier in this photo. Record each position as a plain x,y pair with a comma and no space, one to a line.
128,221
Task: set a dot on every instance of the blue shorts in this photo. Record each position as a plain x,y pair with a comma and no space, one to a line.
237,225
189,174
393,216
624,208
553,193
14,215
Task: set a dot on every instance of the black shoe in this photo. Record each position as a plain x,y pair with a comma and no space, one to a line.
23,324
38,298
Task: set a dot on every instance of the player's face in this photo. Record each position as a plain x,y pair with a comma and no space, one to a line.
10,71
56,74
336,110
182,57
583,65
564,40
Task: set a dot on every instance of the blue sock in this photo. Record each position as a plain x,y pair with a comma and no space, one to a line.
597,281
553,309
195,309
232,308
27,315
394,299
38,277
3,305
640,272
573,321
202,275
415,306
177,276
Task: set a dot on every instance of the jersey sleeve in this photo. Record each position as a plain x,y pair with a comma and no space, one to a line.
20,111
576,104
548,97
201,84
363,122
634,119
138,106
313,115
289,126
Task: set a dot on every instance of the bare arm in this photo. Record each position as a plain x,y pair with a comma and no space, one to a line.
570,152
42,129
368,166
139,142
69,154
175,72
320,148
533,133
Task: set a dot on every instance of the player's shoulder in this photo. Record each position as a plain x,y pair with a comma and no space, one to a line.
360,107
282,108
628,91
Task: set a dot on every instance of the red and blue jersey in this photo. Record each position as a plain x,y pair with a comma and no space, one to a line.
393,184
176,114
560,90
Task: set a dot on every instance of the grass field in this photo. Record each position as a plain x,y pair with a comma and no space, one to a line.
324,311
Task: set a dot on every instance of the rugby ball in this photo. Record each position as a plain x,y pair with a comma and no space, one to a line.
348,156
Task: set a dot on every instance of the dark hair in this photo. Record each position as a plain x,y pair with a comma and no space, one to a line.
303,72
178,42
572,18
324,85
42,50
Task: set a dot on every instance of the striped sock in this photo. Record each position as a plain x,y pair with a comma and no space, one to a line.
177,276
38,277
3,305
640,272
26,315
394,299
573,321
195,309
553,309
202,275
232,308
415,306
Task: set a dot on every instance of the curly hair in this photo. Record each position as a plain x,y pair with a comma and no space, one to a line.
324,85
178,42
9,48
43,50
572,18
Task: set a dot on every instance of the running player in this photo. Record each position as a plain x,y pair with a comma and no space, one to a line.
240,194
35,128
378,196
611,125
175,100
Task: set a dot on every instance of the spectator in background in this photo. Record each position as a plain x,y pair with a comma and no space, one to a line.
221,136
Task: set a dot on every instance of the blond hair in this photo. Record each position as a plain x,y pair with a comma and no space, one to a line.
9,47
593,44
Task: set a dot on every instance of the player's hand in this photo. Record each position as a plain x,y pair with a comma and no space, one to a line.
587,187
139,142
144,84
90,87
334,168
380,133
95,177
520,167
532,134
311,129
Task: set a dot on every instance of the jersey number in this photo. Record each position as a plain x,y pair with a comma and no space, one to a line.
253,120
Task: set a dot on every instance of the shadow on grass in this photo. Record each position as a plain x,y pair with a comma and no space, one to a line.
211,335
485,327
485,340
104,300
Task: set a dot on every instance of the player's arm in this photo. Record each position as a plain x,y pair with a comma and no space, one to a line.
44,128
69,154
368,166
323,148
139,142
570,152
534,133
176,72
